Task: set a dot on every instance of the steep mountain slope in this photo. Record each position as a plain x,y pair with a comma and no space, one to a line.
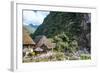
76,26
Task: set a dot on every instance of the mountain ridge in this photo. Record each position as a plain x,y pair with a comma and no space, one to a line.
30,28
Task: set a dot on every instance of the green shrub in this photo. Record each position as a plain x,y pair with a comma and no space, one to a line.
44,60
52,58
66,57
33,53
40,60
85,56
59,56
30,55
73,58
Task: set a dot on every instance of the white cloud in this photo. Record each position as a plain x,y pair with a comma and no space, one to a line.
34,17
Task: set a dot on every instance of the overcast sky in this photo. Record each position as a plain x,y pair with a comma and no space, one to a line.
34,17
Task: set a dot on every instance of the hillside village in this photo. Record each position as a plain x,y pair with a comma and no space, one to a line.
40,47
61,36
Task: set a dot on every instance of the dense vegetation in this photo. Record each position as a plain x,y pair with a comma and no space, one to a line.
70,31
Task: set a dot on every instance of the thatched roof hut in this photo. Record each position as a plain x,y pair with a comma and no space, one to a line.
42,40
27,40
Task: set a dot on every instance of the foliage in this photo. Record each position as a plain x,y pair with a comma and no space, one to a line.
41,60
63,43
30,54
85,57
59,56
33,53
73,58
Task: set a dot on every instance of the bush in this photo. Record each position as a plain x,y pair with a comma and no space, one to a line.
52,58
85,56
33,53
40,60
73,58
66,57
59,56
30,55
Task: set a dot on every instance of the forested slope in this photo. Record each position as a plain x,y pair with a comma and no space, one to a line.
69,30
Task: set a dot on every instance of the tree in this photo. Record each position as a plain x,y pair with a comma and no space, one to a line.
64,42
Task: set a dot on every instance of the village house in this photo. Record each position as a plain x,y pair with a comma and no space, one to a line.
43,44
28,43
40,44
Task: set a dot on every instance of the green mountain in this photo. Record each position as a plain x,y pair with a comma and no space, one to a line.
66,27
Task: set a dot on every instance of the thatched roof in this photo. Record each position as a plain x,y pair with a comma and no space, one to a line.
26,38
42,40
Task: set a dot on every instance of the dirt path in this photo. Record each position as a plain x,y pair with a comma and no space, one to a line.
43,55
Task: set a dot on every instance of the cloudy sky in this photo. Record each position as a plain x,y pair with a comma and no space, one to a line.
34,17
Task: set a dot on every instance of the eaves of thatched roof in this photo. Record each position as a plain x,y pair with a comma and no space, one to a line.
26,38
42,40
